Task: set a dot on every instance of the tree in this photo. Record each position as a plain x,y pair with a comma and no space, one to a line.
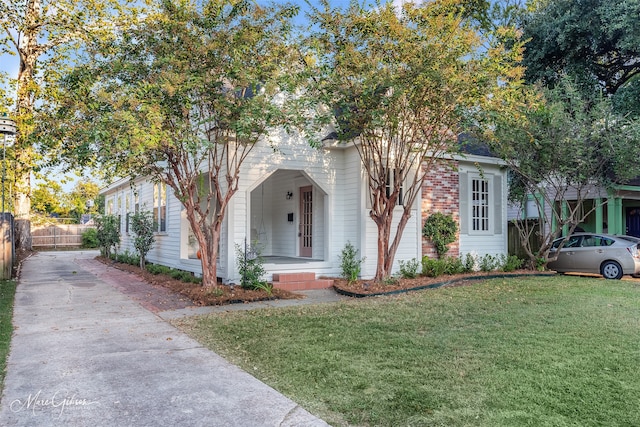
82,199
563,148
42,33
401,84
596,42
144,237
108,230
182,99
48,198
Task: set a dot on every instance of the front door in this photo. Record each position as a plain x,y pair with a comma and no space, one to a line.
633,222
306,221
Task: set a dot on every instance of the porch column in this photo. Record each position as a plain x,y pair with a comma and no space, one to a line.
599,215
615,218
563,214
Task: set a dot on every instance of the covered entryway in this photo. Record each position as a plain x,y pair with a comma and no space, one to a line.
288,217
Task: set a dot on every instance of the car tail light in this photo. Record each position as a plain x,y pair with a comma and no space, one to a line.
633,250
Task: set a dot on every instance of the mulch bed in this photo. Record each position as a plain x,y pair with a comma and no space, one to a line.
365,288
199,295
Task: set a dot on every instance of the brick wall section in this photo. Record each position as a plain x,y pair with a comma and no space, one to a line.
440,193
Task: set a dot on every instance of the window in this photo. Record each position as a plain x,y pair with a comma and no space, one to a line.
480,205
590,241
119,212
392,177
127,210
160,207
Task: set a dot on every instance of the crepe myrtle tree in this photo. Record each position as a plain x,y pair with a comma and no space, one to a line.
183,99
400,84
562,148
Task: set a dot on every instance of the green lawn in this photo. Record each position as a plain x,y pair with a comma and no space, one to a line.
539,351
7,292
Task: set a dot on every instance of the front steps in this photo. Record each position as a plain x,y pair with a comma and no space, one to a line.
299,281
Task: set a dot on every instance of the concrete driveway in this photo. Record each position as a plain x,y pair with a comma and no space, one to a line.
84,354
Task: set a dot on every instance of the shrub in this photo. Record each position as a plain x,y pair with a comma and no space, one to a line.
409,269
470,263
158,269
510,263
90,239
488,263
441,229
349,263
175,274
144,236
108,232
251,267
127,258
433,267
453,265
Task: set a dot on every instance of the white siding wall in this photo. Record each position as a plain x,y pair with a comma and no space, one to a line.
494,243
340,211
407,250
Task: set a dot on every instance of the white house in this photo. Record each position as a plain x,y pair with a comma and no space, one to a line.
302,205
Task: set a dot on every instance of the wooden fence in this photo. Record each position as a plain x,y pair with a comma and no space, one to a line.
515,241
58,236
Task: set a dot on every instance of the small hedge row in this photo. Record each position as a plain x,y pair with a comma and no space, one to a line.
132,259
470,263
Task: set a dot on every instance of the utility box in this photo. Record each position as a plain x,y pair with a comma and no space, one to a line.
6,245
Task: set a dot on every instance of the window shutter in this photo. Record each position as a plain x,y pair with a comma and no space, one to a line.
463,194
497,204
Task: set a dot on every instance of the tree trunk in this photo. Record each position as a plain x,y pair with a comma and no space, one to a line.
22,210
29,50
384,227
207,238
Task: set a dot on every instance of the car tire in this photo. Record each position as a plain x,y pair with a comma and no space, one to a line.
611,270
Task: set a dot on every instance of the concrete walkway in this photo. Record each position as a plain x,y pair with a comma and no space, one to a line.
84,354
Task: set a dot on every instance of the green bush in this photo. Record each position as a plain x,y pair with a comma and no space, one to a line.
158,269
510,263
90,239
127,258
441,229
432,267
250,267
489,263
409,269
108,232
453,265
469,263
174,273
144,234
350,264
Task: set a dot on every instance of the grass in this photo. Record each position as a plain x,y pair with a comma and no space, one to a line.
7,293
552,351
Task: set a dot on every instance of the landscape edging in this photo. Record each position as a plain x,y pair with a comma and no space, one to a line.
435,285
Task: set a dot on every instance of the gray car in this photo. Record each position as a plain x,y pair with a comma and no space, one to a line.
608,255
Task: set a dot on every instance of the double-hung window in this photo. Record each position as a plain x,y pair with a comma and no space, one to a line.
392,177
160,207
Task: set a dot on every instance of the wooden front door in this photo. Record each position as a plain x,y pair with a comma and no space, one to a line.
306,221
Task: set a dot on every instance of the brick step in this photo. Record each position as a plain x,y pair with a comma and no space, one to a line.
294,277
303,285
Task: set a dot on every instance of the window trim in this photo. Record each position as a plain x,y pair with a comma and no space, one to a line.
160,209
488,226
